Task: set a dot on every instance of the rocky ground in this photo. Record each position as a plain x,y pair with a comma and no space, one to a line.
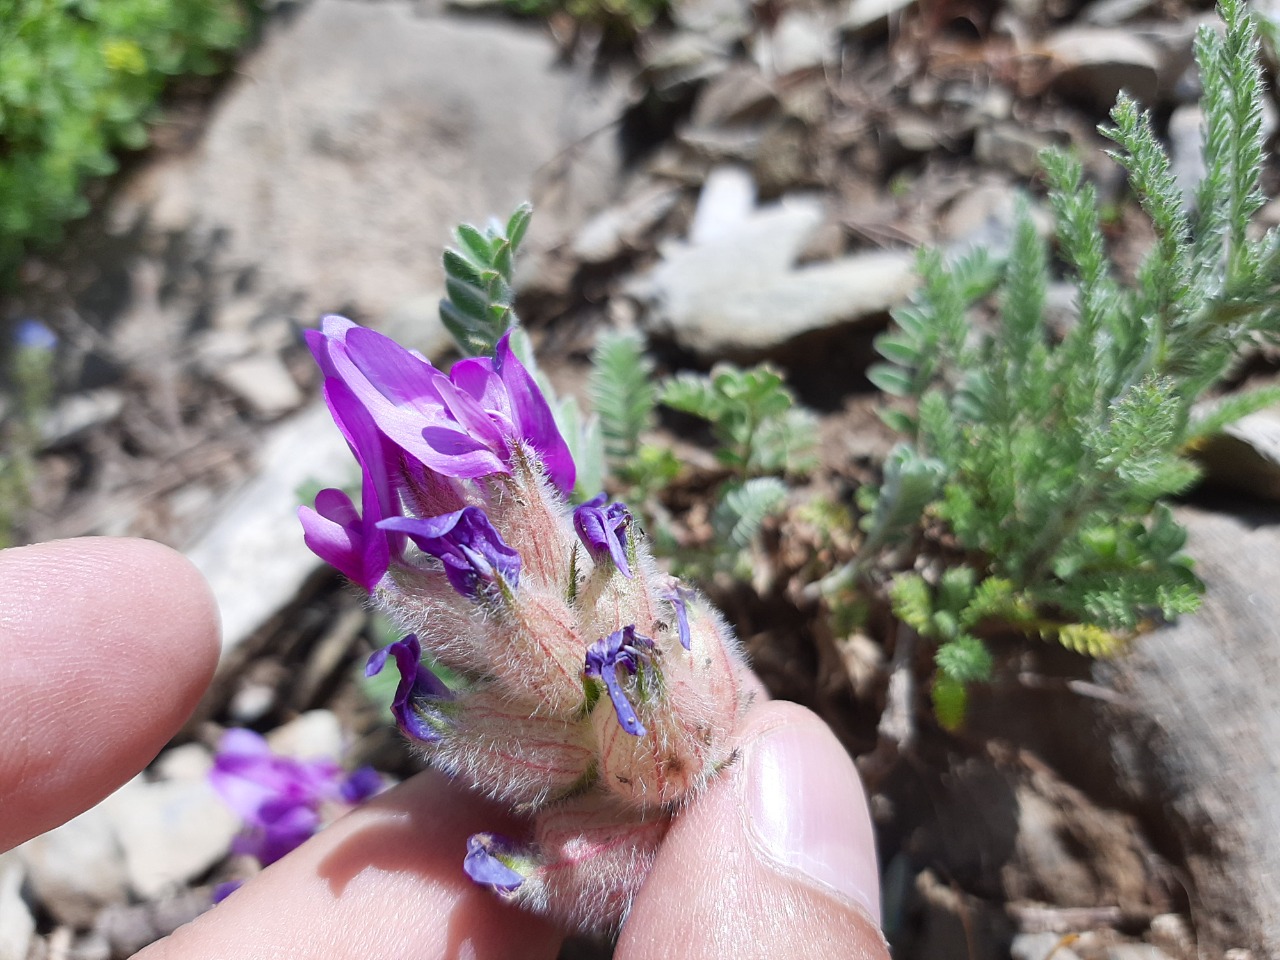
749,183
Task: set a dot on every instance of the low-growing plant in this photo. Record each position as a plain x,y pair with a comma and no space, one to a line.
623,18
79,80
30,383
1038,467
760,434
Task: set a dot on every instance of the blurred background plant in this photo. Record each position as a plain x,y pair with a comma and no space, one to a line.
79,80
620,19
29,389
758,433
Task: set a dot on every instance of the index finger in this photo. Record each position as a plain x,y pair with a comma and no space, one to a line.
105,648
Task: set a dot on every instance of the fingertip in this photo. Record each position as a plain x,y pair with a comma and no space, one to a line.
106,646
776,859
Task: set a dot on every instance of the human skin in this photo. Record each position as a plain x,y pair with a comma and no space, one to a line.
105,648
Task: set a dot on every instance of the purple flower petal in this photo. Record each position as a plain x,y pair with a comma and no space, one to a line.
332,532
679,598
622,648
31,334
278,798
483,866
533,418
360,785
472,551
603,531
461,425
223,890
418,687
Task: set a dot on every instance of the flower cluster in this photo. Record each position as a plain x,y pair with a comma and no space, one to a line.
282,801
597,693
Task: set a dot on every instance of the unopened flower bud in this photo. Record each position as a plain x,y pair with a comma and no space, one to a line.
418,691
603,531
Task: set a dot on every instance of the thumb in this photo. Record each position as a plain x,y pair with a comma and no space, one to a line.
776,860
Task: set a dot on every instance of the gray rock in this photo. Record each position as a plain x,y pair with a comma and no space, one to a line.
1040,946
1011,146
76,869
1136,951
314,735
981,217
78,414
121,931
190,762
358,134
253,556
722,22
869,17
621,228
263,383
1207,746
1184,150
716,145
170,832
1112,13
17,926
914,133
1245,456
1172,931
683,59
1173,40
734,285
740,94
801,40
1094,64
416,323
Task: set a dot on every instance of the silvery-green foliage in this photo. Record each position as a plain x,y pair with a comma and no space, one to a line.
478,305
623,394
757,426
1059,451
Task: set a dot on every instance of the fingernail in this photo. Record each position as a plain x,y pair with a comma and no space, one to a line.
807,809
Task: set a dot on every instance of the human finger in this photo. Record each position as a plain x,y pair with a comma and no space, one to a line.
105,648
776,860
384,881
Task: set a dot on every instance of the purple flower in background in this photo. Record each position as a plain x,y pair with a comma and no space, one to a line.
603,531
462,425
472,551
417,685
282,801
31,334
622,648
483,866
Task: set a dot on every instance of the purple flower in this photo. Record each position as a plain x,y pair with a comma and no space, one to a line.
463,425
472,551
418,687
622,648
483,865
281,800
603,531
33,335
679,598
335,533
